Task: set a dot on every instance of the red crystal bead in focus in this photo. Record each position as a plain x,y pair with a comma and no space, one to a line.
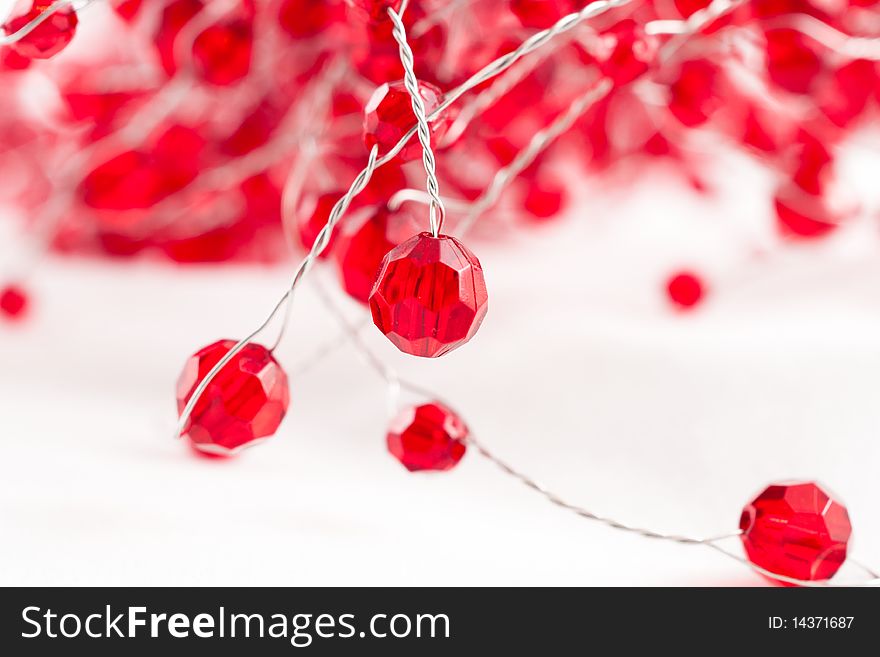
389,116
374,10
430,295
796,530
244,403
47,39
222,53
362,249
13,301
427,437
685,290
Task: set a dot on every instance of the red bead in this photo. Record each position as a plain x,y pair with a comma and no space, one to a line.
692,97
796,530
13,301
685,290
802,215
543,200
222,53
792,62
304,18
374,10
430,295
244,403
363,249
389,116
50,37
625,52
312,216
540,13
427,437
174,17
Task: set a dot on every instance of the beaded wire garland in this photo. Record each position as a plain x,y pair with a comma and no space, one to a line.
425,288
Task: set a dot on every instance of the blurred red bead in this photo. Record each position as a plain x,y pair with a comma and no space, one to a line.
174,17
305,18
803,215
389,116
222,52
796,530
374,10
363,248
427,437
692,96
243,404
543,199
541,13
311,217
792,60
430,295
685,290
127,9
625,52
13,301
50,37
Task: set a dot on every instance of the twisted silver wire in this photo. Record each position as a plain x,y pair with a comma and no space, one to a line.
321,242
488,72
437,211
537,145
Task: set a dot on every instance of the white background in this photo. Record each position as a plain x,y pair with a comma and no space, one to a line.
581,376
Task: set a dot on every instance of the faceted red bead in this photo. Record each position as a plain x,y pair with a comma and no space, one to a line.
389,116
362,249
374,10
430,295
796,530
13,301
685,290
427,437
305,18
50,37
222,52
244,403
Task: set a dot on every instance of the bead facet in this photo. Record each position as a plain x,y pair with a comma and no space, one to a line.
796,530
430,295
427,437
244,403
47,39
389,116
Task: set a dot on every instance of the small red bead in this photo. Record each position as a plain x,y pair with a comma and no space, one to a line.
430,295
312,216
543,200
389,116
625,52
692,97
796,530
427,437
374,10
50,37
363,249
222,53
244,403
802,215
685,290
13,301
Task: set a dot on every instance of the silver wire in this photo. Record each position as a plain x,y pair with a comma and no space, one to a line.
538,144
38,20
437,211
486,73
